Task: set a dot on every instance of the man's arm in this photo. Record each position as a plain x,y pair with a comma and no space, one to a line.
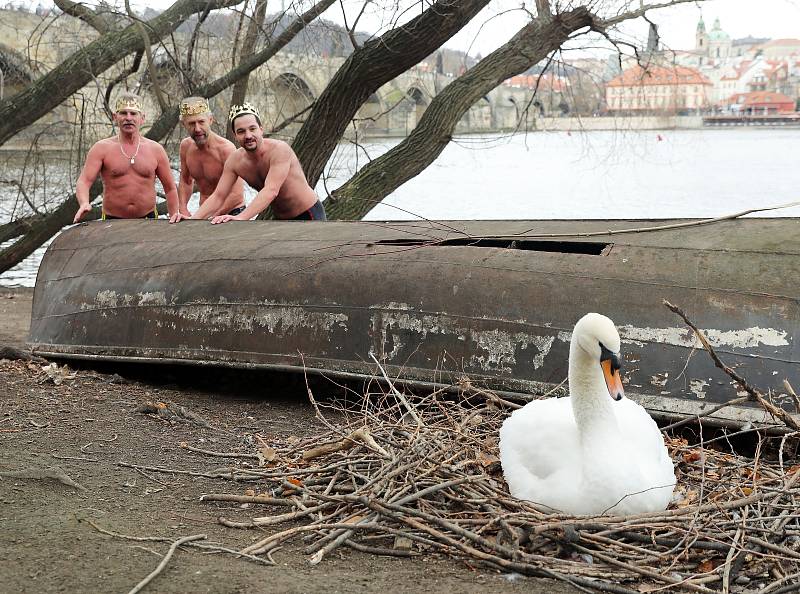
185,183
164,173
236,195
89,173
279,164
214,202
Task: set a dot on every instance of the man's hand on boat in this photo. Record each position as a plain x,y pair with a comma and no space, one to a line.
225,218
180,216
82,210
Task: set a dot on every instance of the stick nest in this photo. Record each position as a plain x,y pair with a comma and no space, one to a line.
410,475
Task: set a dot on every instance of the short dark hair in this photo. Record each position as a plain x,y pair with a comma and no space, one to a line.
233,121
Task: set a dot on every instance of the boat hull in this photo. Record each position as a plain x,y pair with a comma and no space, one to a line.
491,302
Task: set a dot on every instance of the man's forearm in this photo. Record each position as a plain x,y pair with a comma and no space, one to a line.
260,202
184,194
173,205
82,193
209,207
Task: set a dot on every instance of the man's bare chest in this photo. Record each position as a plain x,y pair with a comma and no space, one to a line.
205,166
117,166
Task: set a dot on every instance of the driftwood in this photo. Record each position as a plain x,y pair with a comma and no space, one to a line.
14,354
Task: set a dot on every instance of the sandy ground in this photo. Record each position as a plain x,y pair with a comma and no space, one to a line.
84,431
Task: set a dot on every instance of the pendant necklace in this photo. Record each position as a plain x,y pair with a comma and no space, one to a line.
133,156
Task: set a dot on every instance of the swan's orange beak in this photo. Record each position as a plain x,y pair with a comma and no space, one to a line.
613,381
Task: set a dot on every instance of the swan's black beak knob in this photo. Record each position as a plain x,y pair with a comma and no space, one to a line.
610,363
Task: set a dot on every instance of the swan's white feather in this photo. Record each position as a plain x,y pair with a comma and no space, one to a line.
616,463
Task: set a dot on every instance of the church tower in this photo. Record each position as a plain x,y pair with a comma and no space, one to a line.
701,38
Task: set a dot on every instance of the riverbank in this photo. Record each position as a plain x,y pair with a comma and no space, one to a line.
93,430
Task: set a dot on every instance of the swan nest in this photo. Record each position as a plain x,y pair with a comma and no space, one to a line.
407,475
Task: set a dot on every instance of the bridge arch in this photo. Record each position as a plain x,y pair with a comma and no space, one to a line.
290,94
373,115
479,117
15,71
419,97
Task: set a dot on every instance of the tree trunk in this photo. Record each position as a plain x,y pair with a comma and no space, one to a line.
79,69
248,49
385,174
369,68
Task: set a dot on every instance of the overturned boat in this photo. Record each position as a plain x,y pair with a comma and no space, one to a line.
436,302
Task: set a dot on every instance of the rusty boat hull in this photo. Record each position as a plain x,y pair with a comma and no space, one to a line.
435,302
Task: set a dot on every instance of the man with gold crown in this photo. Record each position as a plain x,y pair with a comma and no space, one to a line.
203,156
128,164
269,166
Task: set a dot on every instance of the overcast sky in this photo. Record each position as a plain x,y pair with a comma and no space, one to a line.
677,25
496,24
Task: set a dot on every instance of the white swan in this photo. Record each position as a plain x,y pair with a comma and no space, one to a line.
595,451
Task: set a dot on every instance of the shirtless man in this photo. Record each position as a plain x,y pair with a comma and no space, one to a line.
269,166
128,165
203,155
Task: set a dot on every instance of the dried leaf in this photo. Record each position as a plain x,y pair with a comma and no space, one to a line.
250,493
485,459
706,566
354,520
267,453
692,456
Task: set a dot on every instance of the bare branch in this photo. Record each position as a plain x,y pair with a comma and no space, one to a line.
94,19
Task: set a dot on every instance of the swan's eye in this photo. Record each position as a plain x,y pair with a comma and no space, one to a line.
607,355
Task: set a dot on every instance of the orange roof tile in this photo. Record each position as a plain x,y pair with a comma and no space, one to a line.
658,75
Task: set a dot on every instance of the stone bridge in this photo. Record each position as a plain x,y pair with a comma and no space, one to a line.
282,88
289,83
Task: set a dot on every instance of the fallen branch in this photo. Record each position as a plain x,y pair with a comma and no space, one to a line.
165,560
39,474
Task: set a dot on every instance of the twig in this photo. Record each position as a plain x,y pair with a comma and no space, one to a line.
397,393
359,435
165,560
788,420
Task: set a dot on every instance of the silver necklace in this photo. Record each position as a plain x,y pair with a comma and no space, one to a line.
133,156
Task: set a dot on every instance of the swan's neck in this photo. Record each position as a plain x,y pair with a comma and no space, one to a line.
591,402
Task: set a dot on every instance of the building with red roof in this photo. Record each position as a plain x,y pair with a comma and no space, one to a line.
760,102
656,88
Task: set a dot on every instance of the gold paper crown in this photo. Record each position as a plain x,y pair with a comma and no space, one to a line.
128,103
195,107
244,108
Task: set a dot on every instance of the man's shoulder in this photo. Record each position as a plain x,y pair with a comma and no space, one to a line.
106,142
276,143
153,145
278,147
223,143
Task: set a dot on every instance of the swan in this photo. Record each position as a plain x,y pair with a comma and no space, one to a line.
595,451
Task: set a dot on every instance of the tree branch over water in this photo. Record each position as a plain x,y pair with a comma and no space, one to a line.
78,70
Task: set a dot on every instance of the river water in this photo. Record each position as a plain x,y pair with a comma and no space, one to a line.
579,175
